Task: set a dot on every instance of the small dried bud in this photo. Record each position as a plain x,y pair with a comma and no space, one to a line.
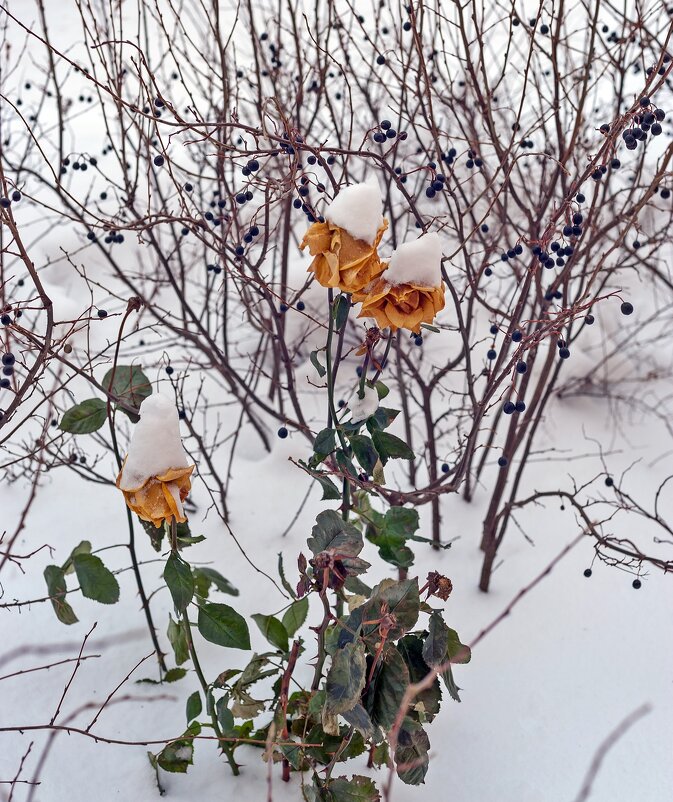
133,304
439,585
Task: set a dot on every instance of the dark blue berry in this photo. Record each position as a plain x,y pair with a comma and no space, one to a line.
282,433
587,572
301,306
521,367
516,336
503,461
509,407
102,313
626,308
564,352
159,160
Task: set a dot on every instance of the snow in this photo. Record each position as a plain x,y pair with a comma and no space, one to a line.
362,408
417,262
155,446
358,209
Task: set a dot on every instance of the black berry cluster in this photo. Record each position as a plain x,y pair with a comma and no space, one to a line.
385,131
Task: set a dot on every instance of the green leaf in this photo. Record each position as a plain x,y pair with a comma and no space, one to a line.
430,328
357,789
458,652
281,574
359,718
224,715
130,385
364,451
174,674
313,356
56,588
382,390
204,577
382,418
178,755
194,706
437,642
390,533
221,624
82,548
345,678
178,639
397,597
329,490
390,446
178,577
331,532
95,580
401,521
340,308
451,687
295,615
386,691
429,699
411,754
345,463
324,443
273,630
84,418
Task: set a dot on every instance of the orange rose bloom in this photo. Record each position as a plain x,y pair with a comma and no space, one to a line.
400,306
341,260
160,497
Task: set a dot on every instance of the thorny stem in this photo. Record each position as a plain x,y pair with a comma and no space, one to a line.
227,748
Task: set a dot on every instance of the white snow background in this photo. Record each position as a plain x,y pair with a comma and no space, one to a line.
543,690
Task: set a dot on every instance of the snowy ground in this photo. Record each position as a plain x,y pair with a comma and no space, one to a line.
544,689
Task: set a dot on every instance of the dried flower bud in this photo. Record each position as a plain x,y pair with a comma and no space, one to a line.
439,585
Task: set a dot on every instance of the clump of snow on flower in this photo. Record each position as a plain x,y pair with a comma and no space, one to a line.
358,209
418,262
362,408
155,445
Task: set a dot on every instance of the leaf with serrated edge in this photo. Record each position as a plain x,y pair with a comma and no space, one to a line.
332,532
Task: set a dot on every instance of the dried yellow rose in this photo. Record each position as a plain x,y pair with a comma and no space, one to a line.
340,260
160,498
400,306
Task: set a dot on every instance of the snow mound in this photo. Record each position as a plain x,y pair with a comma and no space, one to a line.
362,408
358,209
155,445
418,262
